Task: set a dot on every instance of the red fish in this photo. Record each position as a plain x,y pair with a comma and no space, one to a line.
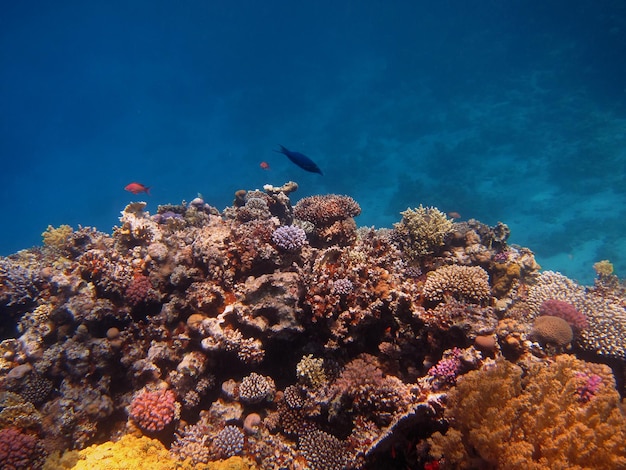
137,188
265,165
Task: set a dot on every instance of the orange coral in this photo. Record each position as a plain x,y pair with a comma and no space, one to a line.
534,422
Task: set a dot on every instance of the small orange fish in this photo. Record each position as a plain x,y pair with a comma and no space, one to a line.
265,165
454,215
137,188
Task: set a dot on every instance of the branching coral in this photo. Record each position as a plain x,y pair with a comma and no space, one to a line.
534,421
422,230
332,218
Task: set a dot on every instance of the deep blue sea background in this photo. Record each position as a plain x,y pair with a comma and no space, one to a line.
510,111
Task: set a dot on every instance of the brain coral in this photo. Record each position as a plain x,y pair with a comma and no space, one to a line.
153,410
552,330
566,311
464,283
503,417
422,230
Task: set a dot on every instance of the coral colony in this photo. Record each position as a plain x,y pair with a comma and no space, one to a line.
279,335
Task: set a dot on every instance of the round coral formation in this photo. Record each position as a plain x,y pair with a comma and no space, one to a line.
153,411
19,451
323,451
138,290
566,311
464,283
327,209
552,330
289,238
256,388
230,441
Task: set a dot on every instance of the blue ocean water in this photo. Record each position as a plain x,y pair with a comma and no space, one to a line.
510,111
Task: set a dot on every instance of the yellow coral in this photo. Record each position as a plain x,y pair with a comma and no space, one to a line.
603,268
134,453
311,371
536,421
56,238
465,283
422,230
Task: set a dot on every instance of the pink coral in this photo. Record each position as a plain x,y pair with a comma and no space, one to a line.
566,311
326,209
139,290
18,450
154,410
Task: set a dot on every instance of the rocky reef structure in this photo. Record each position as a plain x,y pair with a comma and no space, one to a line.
278,335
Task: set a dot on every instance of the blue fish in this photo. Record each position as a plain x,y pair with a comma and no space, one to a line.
301,160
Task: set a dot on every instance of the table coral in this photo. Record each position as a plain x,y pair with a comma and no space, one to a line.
534,420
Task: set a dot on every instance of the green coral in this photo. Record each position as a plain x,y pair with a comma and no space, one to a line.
503,417
422,230
310,370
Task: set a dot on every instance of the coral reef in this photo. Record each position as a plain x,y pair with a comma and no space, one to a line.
283,336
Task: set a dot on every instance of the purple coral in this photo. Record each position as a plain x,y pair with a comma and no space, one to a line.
289,238
447,369
230,441
342,287
566,311
589,386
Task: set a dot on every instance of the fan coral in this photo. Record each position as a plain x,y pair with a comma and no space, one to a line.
422,230
533,420
255,388
154,410
464,283
552,330
19,451
289,238
566,311
229,441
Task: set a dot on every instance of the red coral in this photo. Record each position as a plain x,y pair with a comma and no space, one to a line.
566,311
18,450
139,290
153,411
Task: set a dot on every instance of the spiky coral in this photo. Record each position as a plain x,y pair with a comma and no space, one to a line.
534,422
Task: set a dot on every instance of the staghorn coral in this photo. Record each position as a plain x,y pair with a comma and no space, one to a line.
464,283
422,231
566,311
535,420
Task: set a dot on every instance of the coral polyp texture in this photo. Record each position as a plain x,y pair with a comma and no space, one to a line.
275,335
